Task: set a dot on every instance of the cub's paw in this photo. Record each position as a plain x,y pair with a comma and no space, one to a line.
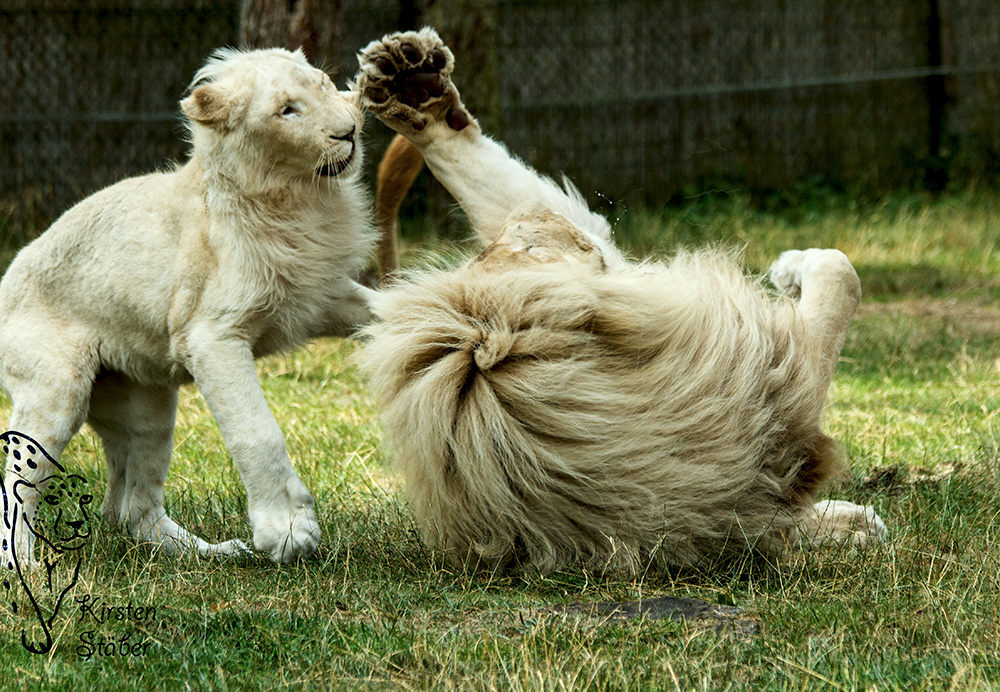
290,532
286,536
405,80
224,549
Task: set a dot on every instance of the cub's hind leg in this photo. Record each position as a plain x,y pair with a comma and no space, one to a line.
49,406
829,292
136,425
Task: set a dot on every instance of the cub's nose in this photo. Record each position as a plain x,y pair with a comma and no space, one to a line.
346,137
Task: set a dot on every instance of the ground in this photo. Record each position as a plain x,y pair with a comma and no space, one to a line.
914,403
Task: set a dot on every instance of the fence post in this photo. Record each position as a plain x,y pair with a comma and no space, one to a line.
938,87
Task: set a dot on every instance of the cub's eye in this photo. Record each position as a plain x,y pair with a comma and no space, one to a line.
288,110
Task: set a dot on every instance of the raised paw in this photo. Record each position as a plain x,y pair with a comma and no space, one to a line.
795,269
405,80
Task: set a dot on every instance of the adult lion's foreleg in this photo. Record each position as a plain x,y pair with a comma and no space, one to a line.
405,80
829,293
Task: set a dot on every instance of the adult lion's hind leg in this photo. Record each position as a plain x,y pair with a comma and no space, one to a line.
829,293
397,172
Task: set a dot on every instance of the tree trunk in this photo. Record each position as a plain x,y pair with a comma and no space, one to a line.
312,25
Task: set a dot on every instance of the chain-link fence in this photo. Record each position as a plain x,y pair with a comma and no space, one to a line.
644,100
636,100
89,93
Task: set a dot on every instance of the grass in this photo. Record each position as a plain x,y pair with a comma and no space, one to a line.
914,401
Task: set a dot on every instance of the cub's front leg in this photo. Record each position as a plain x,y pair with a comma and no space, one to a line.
280,507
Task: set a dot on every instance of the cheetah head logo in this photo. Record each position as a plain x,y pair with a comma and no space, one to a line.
60,526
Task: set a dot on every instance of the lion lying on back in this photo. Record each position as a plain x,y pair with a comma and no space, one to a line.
552,404
246,249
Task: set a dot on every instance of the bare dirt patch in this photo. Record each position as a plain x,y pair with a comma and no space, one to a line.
980,316
699,613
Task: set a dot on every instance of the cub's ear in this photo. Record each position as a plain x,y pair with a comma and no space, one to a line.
208,105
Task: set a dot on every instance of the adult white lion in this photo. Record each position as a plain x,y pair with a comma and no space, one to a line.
553,404
246,249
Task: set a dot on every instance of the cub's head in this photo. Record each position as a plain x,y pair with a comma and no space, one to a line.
267,118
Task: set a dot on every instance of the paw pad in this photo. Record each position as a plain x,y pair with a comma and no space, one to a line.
405,79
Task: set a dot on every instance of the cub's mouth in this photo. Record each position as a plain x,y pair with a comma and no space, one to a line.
335,168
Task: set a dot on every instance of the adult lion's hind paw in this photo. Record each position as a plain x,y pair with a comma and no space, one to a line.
405,79
796,268
786,273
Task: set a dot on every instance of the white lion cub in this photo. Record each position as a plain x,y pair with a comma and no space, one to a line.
245,250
